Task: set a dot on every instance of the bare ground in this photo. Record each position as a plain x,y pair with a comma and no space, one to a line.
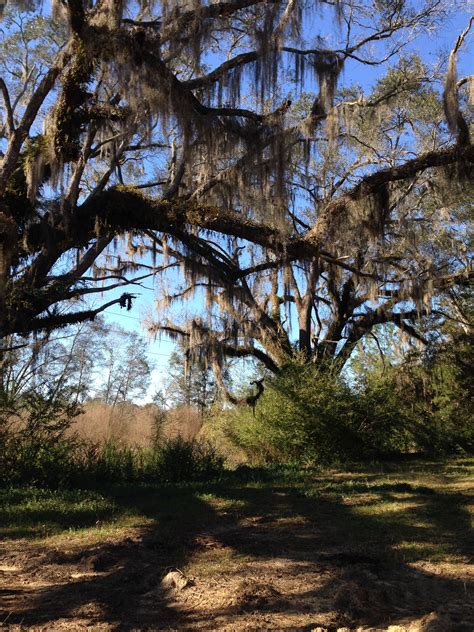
257,558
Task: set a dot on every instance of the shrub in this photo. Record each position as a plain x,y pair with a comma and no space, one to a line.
306,414
215,430
309,415
436,391
179,460
33,445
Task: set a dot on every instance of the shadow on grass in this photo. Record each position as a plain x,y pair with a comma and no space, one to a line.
31,512
364,552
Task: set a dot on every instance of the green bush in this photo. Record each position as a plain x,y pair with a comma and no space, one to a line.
309,415
33,444
109,461
179,460
438,394
306,415
425,403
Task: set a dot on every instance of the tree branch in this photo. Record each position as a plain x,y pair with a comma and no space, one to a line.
8,107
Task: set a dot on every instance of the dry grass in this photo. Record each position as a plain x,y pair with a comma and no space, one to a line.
131,425
184,422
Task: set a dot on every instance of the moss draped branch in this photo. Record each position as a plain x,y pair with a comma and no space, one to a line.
120,209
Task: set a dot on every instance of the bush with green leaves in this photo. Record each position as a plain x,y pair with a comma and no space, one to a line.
306,414
437,392
33,445
174,460
312,416
180,460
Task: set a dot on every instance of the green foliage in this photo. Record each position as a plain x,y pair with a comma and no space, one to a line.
108,462
311,416
306,414
175,460
439,391
179,460
424,400
33,444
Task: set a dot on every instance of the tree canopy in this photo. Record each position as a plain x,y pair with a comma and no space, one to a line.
230,141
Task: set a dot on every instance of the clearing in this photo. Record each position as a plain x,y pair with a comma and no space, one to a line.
382,548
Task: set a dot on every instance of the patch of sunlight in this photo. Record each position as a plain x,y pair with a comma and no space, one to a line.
220,503
421,524
116,528
216,560
388,507
290,520
361,499
432,551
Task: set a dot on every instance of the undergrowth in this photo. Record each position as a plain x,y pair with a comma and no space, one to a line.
68,462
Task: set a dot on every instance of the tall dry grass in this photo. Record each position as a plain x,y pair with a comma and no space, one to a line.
134,426
184,422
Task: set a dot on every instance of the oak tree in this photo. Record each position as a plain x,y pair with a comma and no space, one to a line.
217,140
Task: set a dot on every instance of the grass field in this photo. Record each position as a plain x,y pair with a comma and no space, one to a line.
363,549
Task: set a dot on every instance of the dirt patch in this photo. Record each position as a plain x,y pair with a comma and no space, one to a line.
122,586
288,562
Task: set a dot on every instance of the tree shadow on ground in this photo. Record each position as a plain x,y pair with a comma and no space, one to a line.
29,512
362,560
